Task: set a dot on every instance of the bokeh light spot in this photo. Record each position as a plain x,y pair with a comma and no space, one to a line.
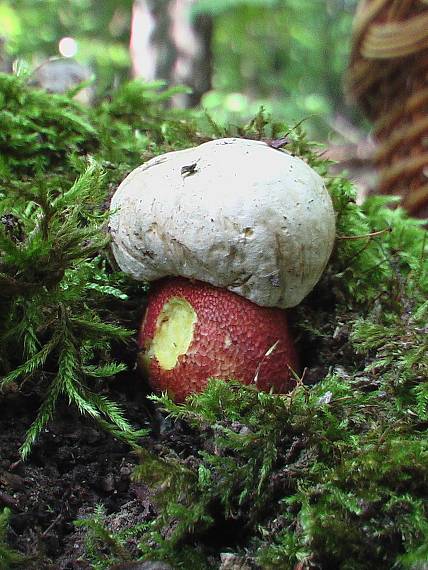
67,47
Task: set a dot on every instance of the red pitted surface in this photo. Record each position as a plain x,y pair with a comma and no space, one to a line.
231,338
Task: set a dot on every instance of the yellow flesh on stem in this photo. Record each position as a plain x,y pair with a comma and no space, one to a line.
174,332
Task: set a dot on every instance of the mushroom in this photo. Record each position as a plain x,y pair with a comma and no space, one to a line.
236,215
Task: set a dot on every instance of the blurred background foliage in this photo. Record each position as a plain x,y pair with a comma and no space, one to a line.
33,29
287,55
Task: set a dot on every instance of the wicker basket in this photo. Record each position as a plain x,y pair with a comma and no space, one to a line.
388,77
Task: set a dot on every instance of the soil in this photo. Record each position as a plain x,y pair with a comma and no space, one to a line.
73,467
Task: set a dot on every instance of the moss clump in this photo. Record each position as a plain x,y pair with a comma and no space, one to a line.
9,558
47,133
63,306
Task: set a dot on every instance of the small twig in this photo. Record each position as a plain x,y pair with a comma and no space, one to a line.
14,465
299,379
50,527
266,354
372,234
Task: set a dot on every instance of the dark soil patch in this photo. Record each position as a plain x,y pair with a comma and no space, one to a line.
74,466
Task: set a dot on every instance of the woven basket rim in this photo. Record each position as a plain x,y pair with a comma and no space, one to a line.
385,33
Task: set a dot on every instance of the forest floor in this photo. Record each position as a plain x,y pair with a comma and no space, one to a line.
73,467
76,465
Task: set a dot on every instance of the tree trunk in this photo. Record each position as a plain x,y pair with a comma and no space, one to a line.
5,60
168,43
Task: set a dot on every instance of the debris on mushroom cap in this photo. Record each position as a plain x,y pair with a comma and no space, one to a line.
235,213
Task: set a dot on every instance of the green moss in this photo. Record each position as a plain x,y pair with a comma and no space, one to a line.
63,306
9,558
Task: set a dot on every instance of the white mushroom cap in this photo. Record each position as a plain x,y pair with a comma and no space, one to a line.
235,213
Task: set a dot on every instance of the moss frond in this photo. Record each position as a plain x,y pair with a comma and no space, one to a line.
59,296
9,558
